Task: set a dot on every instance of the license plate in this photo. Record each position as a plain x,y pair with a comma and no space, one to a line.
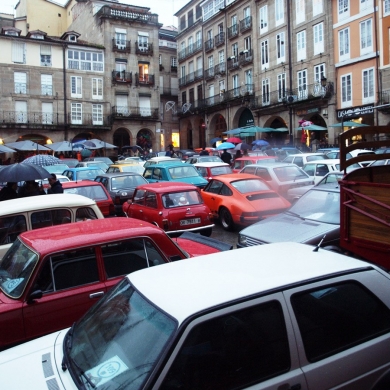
191,221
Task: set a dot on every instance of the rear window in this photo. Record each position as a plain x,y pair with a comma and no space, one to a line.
92,192
290,173
177,199
251,185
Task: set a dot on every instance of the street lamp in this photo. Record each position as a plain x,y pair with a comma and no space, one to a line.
323,81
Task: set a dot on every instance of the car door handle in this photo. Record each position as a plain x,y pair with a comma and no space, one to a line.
141,211
96,294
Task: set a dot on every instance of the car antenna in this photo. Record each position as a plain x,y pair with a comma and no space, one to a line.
319,244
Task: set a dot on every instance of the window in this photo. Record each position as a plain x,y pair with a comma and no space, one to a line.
263,19
366,36
46,84
97,114
47,113
248,81
190,45
346,90
85,60
120,39
318,36
265,92
234,26
301,45
21,111
319,73
18,52
144,106
299,11
20,82
198,39
337,317
318,7
190,18
247,44
173,62
75,86
143,72
264,54
386,7
365,4
344,44
122,107
143,41
281,86
343,9
302,84
279,12
235,85
280,47
224,347
76,113
368,86
45,55
97,88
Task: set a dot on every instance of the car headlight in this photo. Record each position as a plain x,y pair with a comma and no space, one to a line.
124,193
242,240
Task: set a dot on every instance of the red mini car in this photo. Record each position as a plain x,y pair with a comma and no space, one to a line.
175,207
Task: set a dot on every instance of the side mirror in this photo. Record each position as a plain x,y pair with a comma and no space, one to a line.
37,294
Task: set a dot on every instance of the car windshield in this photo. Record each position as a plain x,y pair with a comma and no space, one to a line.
320,206
16,268
133,168
122,182
58,168
180,172
92,192
290,173
89,174
118,342
222,170
182,198
249,185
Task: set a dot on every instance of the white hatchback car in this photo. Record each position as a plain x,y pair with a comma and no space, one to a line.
303,158
283,316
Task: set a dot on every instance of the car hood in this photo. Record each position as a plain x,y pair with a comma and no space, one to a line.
283,227
33,365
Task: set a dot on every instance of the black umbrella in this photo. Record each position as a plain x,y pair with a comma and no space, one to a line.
22,172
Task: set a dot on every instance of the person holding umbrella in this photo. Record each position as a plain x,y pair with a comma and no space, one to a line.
226,157
55,185
31,188
9,191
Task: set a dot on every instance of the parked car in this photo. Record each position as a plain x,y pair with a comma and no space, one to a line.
379,162
174,171
70,162
120,186
92,190
241,162
200,159
353,153
135,159
100,164
51,276
106,160
185,154
57,169
150,155
209,170
126,167
241,199
315,216
174,207
158,160
319,168
35,212
382,151
284,151
281,316
83,173
303,158
279,176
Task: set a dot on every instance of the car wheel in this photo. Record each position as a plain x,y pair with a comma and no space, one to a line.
206,232
226,219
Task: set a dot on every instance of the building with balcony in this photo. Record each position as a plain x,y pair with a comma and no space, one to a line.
263,63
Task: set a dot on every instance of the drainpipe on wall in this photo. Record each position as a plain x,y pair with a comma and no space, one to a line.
64,82
290,113
376,118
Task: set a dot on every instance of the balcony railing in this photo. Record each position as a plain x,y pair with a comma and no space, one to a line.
209,73
127,14
121,45
146,50
219,39
122,77
190,50
246,24
191,77
126,112
233,64
146,80
232,31
220,68
246,57
209,45
169,91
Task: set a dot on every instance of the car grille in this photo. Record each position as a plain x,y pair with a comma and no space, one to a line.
252,242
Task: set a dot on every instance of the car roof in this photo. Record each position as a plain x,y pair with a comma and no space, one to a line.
211,164
236,176
164,186
187,287
305,154
82,183
256,157
272,165
83,168
327,161
31,203
86,233
169,164
163,158
118,174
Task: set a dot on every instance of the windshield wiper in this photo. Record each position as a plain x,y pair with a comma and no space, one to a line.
81,372
294,214
68,341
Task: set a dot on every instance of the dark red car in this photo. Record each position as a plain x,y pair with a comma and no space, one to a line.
174,206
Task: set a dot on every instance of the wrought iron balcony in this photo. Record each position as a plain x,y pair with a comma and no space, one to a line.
190,50
220,68
209,45
384,99
219,39
209,73
140,113
191,77
233,63
246,24
245,57
122,77
121,45
144,80
146,50
232,31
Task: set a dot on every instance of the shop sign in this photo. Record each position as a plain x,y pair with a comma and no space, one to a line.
308,111
355,111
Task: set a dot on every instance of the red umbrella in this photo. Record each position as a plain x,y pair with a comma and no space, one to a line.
234,140
305,123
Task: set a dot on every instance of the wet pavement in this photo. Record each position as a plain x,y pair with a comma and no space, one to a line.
227,237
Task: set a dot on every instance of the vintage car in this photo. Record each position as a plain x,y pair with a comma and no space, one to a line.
174,207
209,170
83,173
241,162
239,199
92,190
126,166
280,316
120,186
51,276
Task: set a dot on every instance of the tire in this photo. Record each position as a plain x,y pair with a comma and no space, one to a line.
226,219
206,232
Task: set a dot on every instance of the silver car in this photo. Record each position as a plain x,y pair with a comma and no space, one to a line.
313,217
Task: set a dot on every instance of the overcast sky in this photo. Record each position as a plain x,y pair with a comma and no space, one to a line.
164,8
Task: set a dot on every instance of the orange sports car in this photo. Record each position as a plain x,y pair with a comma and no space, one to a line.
241,199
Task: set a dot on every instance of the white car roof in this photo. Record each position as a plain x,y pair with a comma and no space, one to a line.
163,158
185,287
39,202
211,164
327,161
305,154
